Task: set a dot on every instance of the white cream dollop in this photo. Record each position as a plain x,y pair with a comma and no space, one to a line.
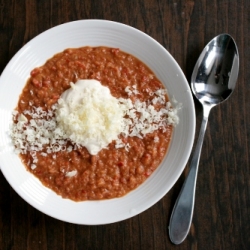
89,115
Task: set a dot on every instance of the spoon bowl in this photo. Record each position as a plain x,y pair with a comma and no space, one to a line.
216,71
213,81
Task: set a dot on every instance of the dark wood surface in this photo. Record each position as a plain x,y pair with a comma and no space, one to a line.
222,210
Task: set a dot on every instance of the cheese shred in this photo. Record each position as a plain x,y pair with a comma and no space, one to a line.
89,117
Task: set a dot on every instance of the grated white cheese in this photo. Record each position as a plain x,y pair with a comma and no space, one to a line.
88,115
33,166
133,91
71,173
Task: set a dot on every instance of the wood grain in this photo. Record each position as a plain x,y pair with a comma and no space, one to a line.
183,27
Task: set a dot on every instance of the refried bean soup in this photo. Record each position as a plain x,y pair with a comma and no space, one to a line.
93,123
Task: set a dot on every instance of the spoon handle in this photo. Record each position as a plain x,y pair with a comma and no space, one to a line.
182,213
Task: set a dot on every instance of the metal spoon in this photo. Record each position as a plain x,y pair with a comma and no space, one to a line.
212,82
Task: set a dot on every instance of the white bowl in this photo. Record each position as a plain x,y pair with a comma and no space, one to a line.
96,33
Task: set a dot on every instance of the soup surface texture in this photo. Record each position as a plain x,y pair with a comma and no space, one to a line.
127,161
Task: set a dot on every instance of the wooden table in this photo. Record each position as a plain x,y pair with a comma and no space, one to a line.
222,211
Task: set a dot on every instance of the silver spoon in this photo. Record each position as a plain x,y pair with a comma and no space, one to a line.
212,82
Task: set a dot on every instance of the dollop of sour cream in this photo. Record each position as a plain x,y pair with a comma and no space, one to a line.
89,115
